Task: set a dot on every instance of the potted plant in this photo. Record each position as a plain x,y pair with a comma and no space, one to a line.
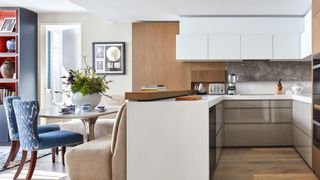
86,86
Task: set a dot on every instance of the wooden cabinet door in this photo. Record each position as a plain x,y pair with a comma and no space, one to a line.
315,6
316,33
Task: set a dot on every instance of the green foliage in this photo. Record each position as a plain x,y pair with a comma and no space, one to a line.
86,81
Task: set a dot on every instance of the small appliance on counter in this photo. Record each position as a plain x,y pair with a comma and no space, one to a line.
199,88
217,88
232,80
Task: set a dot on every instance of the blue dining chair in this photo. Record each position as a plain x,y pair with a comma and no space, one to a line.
27,120
13,130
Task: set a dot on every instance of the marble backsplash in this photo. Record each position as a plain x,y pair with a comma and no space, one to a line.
270,71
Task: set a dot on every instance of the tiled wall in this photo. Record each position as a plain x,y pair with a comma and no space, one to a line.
270,71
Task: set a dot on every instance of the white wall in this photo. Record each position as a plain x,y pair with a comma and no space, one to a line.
96,29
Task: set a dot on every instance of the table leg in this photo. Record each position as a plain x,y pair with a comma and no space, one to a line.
89,127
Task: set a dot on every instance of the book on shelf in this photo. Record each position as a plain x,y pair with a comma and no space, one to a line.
153,88
5,93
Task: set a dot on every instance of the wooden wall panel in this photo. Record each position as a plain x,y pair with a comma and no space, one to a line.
154,46
316,33
315,6
154,57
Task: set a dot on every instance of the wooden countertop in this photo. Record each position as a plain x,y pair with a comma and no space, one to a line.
149,96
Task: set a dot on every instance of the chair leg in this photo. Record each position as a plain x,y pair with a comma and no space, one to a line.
63,152
15,145
53,155
33,162
23,160
57,150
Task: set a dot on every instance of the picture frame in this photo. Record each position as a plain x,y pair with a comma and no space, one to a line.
109,58
8,25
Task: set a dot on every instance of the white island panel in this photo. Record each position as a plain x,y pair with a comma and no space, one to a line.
168,140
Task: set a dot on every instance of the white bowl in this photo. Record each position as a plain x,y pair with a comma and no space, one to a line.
297,88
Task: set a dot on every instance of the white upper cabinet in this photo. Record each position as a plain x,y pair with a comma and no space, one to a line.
286,46
256,46
306,37
192,47
224,46
249,38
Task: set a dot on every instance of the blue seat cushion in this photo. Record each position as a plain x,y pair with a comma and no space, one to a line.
41,129
48,128
59,138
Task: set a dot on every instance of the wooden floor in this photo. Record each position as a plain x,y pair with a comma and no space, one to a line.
234,164
262,164
45,170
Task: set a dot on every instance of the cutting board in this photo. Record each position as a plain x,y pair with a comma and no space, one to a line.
189,98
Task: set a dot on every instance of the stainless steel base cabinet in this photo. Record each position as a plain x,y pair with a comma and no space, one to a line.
258,123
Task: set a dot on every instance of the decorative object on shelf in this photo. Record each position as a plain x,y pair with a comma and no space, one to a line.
8,25
86,85
11,45
297,88
109,57
279,87
7,69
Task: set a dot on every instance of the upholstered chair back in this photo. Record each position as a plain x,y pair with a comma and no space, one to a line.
27,120
119,145
11,117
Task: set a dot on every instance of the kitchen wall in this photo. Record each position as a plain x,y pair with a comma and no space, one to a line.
270,71
261,77
96,29
154,57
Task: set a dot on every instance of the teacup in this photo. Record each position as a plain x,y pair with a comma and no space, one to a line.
71,108
64,110
86,108
101,108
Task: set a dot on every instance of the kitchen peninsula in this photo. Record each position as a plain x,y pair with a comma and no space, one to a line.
164,134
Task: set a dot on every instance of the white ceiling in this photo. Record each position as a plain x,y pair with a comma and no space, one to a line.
44,5
163,10
155,10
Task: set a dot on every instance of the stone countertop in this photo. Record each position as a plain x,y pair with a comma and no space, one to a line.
215,99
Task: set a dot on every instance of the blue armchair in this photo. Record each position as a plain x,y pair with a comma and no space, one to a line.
13,130
27,119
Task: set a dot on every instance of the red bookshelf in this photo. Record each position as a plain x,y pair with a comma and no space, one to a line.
9,86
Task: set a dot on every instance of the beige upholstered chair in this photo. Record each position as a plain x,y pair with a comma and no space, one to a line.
103,158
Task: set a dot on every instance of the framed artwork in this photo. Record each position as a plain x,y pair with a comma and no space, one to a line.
109,58
8,25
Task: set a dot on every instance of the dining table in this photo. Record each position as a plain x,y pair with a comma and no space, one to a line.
88,118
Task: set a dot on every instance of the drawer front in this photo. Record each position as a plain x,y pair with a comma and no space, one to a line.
281,103
248,115
281,115
246,104
219,120
303,144
258,115
219,145
307,118
257,103
258,134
